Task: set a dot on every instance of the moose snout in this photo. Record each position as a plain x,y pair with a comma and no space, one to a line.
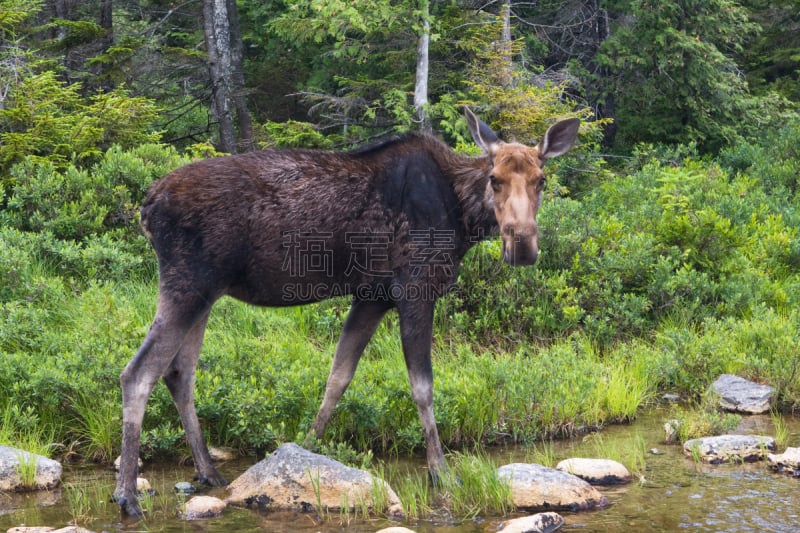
520,248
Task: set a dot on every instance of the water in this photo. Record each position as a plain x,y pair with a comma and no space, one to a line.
673,494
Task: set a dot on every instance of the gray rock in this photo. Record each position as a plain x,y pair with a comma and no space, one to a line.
742,396
671,397
48,472
200,507
671,431
294,478
184,487
787,462
729,448
538,523
596,471
395,529
538,487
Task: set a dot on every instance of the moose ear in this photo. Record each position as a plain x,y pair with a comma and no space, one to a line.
481,133
559,138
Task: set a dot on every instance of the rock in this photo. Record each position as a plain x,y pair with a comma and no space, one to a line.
596,471
787,462
538,523
294,478
200,507
395,529
143,486
184,487
220,455
47,476
537,487
671,397
72,529
743,396
729,448
671,431
139,463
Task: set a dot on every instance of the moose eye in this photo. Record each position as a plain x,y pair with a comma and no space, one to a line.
493,182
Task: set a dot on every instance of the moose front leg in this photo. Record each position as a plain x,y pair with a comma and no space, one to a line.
362,320
416,331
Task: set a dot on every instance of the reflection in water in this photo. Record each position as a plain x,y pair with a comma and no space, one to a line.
673,495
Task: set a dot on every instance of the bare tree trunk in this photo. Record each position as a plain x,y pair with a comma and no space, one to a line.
105,42
218,48
505,43
239,95
421,84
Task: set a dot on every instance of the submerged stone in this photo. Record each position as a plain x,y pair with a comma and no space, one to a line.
742,396
538,487
538,523
729,448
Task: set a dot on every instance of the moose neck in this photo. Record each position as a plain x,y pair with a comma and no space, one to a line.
469,176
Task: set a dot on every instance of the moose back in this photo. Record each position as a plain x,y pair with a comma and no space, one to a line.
388,224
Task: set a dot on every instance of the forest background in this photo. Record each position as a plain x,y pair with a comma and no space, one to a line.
670,234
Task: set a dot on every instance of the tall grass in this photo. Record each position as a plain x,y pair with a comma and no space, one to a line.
98,425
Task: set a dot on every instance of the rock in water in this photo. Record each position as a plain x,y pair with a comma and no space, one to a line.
596,471
47,473
200,507
742,396
538,487
787,462
729,448
294,478
538,523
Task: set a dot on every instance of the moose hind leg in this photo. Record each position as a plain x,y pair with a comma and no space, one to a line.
160,346
416,331
362,320
137,380
180,379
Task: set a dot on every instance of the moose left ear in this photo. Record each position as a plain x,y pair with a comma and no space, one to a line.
559,138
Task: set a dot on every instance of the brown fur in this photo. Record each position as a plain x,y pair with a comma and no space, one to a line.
238,226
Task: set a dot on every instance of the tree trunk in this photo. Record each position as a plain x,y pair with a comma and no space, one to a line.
239,95
218,48
421,84
105,42
505,43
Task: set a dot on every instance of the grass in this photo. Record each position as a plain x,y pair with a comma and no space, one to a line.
703,421
98,425
472,487
26,469
779,429
631,453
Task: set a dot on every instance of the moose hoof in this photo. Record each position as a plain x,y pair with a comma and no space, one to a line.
128,506
213,480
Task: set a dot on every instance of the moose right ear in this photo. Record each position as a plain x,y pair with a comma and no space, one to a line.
481,133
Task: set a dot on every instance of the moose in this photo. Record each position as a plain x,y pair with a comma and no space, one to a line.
387,224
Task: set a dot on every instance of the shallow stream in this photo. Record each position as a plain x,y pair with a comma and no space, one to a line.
671,494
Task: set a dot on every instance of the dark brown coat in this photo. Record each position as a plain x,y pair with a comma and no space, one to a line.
388,225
